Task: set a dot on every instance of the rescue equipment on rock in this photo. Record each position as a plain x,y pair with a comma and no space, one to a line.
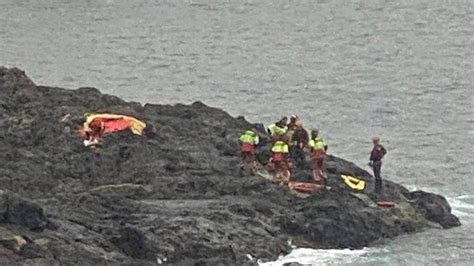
354,183
386,204
98,125
114,123
305,187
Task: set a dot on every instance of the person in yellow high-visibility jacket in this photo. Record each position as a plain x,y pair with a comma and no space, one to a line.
248,141
278,129
280,149
318,152
280,161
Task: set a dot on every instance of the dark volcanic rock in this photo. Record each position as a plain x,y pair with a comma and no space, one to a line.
15,210
435,208
174,195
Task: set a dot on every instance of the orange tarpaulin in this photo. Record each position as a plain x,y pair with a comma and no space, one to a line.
113,123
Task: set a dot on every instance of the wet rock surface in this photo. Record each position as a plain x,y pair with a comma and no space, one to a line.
172,196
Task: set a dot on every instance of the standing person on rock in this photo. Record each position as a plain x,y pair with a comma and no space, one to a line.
278,129
300,140
292,125
376,156
280,149
291,129
318,152
248,141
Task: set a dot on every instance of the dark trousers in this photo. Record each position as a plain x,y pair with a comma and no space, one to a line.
298,156
377,167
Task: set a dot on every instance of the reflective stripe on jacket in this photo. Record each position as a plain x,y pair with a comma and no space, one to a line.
276,130
249,137
280,147
317,144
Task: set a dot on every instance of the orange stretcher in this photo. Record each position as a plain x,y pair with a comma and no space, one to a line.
304,187
386,204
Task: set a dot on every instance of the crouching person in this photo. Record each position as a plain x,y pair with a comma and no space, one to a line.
92,133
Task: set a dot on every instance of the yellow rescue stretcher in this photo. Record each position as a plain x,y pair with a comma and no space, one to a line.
354,183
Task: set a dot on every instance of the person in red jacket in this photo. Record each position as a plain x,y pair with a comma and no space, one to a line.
376,156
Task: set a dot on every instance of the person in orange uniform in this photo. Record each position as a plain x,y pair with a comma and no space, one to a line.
280,149
318,152
248,141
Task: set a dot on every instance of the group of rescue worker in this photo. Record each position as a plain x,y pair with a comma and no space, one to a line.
290,140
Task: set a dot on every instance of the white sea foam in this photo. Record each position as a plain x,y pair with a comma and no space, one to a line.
427,189
465,197
460,204
308,256
461,207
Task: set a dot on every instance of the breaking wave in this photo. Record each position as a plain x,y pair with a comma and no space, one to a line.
309,256
462,206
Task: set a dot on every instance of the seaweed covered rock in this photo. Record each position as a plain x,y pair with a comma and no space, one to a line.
174,195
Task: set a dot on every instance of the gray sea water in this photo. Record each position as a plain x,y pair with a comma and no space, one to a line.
403,70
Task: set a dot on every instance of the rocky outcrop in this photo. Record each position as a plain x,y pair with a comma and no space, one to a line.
174,195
